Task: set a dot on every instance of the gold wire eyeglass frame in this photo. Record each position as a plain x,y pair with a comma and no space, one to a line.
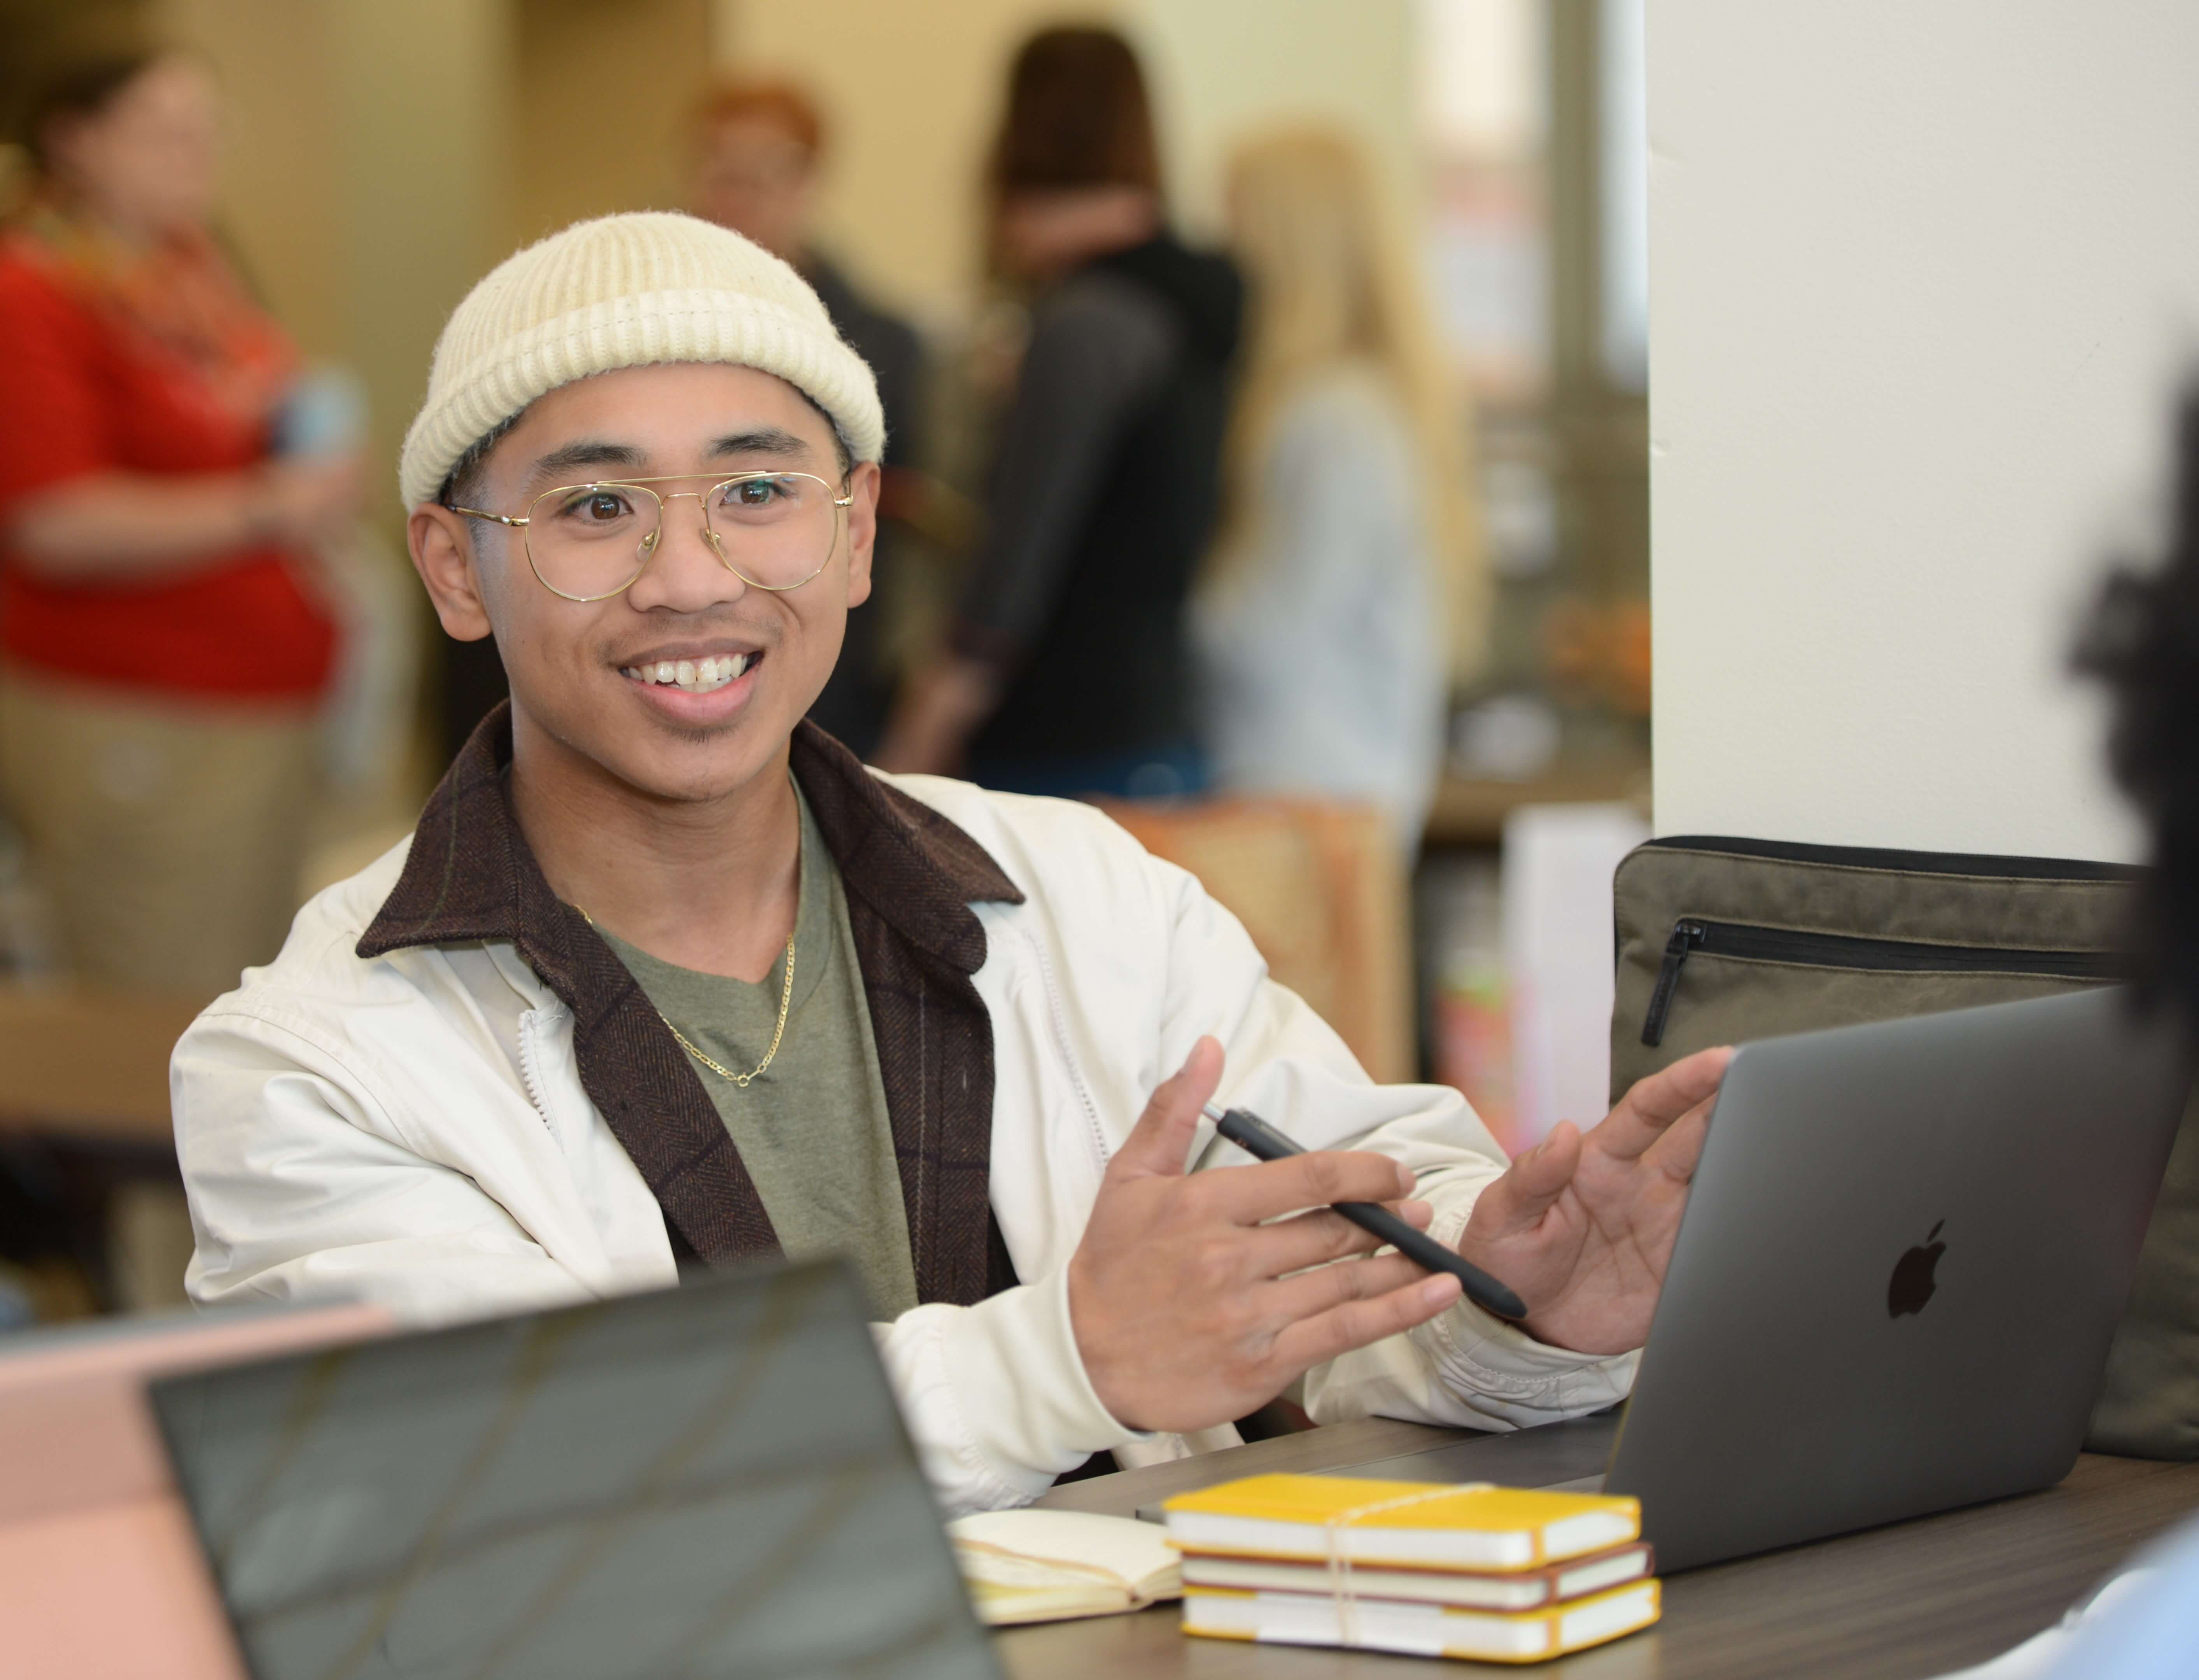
523,524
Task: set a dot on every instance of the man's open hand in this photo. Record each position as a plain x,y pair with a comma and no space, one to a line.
1181,1295
1582,1227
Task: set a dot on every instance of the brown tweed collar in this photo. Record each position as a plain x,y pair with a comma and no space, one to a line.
911,876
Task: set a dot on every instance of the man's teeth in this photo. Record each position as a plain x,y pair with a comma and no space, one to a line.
697,676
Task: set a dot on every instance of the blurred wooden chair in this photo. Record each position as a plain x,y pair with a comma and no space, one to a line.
1321,890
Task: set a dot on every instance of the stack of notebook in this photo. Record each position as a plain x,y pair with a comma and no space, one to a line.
1435,1569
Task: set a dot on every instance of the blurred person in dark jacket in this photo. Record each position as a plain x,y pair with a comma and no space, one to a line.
1066,669
165,637
757,145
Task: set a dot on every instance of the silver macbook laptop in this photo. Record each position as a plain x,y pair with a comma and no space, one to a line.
710,1481
1904,1253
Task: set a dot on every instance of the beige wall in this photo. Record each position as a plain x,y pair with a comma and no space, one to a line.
281,203
600,91
913,92
1223,68
387,152
366,179
423,100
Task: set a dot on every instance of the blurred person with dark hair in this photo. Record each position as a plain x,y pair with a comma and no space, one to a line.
163,643
1347,584
2142,643
1066,670
757,145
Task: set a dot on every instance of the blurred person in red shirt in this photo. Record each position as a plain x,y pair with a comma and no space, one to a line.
163,641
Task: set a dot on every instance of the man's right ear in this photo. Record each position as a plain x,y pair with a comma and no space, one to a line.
442,550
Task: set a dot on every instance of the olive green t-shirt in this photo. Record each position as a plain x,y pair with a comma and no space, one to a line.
812,1128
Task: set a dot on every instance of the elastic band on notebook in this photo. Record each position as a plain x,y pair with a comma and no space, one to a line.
1340,1563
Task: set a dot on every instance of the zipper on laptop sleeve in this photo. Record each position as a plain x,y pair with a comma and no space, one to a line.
1841,951
1686,936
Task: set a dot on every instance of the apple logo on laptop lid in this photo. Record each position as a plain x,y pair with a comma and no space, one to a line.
1912,1282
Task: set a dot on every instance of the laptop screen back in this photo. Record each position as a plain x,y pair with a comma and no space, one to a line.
711,1481
1906,1251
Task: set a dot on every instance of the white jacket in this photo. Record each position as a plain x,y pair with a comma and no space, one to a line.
412,1130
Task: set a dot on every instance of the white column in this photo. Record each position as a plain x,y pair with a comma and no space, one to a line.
1922,277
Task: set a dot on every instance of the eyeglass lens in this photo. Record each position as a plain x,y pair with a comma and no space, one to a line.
773,531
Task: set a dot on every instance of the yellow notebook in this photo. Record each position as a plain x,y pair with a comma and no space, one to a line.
1421,1630
1420,1525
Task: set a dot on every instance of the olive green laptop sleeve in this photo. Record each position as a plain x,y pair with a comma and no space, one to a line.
1721,940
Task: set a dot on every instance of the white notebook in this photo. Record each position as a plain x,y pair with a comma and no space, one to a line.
1051,1565
1421,1630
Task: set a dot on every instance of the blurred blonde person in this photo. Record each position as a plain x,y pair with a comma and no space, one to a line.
1347,585
165,642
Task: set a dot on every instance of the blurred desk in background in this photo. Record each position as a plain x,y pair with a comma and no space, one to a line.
92,1218
86,1064
1472,812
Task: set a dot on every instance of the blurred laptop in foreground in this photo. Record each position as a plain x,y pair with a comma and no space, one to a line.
709,1481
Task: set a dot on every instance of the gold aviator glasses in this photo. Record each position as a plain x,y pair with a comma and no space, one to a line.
589,542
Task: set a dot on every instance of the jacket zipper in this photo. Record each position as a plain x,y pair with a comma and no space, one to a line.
530,1070
1841,951
1058,1020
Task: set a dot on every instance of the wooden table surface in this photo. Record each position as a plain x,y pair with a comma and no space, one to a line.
1898,1603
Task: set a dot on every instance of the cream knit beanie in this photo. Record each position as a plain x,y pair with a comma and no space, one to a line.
623,292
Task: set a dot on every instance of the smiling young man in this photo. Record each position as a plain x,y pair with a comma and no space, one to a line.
664,974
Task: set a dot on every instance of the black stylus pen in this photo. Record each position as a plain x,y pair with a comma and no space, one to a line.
1255,1137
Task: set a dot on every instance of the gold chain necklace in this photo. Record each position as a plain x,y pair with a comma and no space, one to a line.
778,1032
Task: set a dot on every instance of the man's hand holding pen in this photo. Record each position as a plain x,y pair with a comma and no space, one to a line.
1194,1301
